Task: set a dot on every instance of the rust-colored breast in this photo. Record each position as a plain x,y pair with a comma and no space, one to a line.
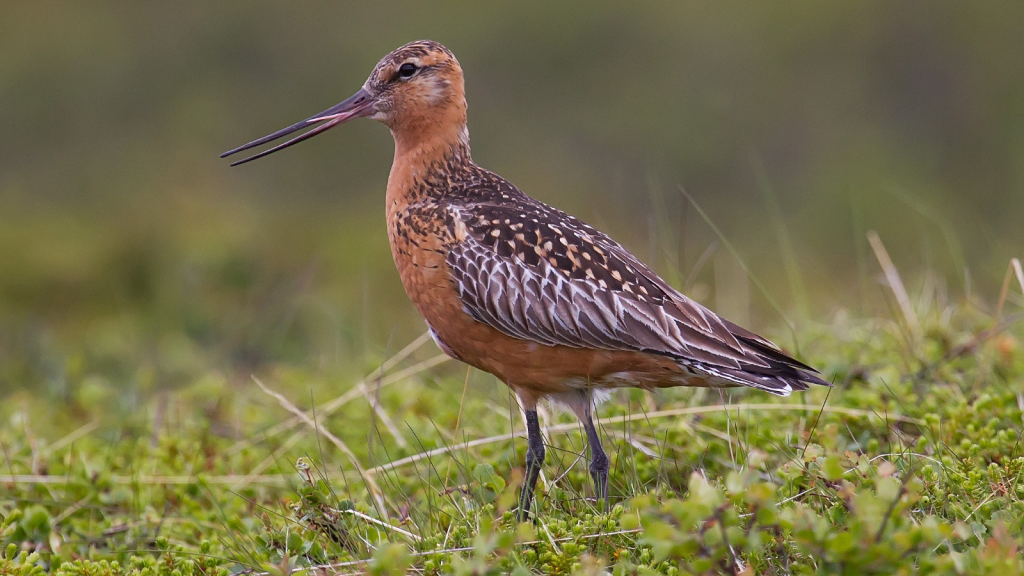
419,245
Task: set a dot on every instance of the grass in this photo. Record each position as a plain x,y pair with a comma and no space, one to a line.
911,464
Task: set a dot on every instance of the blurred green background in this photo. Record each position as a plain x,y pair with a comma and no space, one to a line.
130,254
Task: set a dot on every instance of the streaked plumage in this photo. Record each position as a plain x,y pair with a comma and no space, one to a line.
548,304
535,273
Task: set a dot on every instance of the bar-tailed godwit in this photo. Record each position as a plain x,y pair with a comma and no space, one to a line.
554,308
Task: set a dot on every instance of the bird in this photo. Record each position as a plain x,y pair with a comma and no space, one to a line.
551,306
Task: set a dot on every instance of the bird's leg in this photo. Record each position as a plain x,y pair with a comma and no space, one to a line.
534,462
598,460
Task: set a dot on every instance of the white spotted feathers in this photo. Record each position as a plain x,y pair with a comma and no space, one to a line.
536,273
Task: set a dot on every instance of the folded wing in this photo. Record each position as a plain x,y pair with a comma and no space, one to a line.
536,273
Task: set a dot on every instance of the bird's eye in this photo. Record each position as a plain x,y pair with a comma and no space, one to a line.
406,70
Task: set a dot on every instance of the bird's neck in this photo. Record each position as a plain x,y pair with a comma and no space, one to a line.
427,158
425,136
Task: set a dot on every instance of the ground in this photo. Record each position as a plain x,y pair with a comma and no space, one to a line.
910,464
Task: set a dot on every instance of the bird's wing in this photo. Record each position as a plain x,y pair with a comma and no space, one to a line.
536,273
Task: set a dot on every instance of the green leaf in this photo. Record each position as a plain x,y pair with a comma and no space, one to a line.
832,469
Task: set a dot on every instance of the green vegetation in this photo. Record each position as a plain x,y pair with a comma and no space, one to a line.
145,286
911,464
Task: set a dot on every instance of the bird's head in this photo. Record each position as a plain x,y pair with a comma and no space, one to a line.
419,83
417,91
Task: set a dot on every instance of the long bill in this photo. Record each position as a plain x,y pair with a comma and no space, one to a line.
358,105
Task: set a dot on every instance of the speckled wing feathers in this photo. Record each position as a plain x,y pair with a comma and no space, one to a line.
536,273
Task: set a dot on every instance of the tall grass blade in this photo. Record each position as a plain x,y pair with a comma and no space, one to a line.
746,269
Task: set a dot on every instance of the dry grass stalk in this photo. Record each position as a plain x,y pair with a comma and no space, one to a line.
333,568
892,277
383,415
373,520
70,438
355,391
1012,269
371,484
269,460
285,479
566,428
634,442
267,479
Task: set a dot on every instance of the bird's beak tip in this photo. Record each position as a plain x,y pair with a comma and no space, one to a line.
359,104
